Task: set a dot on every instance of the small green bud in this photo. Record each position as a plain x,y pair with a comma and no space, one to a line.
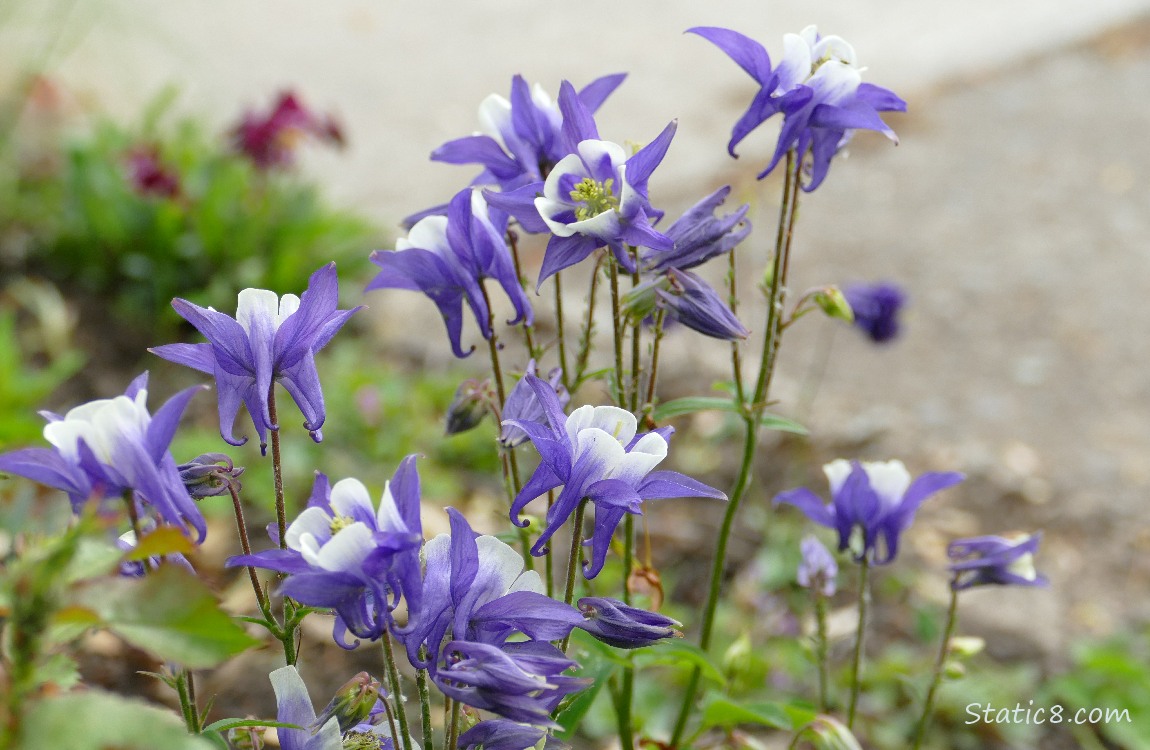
736,656
640,303
362,741
352,702
953,670
834,304
827,733
468,407
964,647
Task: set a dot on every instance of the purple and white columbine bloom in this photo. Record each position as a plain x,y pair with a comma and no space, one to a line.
995,560
523,405
818,569
694,303
698,235
271,339
110,447
872,504
876,308
447,258
346,554
520,139
597,455
818,89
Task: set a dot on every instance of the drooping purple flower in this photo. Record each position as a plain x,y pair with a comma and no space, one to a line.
876,308
447,258
521,138
818,569
345,554
149,176
210,475
694,303
523,406
818,89
502,734
271,339
110,447
623,626
477,602
698,235
469,406
995,560
597,455
270,140
872,504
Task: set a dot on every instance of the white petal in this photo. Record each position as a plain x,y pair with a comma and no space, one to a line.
619,423
388,518
568,165
349,496
429,233
499,565
795,67
603,226
495,117
835,48
601,447
289,303
549,208
314,521
888,479
593,152
308,547
835,82
646,455
347,550
529,581
837,472
257,309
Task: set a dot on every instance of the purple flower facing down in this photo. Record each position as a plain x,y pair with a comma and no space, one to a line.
876,308
502,734
623,626
476,598
995,560
523,405
271,339
818,569
597,455
818,89
872,504
110,447
698,235
447,258
345,554
210,475
692,302
521,138
270,140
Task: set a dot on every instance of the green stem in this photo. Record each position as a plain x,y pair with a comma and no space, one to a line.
560,333
860,639
396,689
584,354
424,704
574,560
653,375
453,728
821,647
245,545
277,468
939,664
528,330
752,413
617,330
187,702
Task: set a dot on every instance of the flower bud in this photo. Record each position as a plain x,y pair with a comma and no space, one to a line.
623,626
640,303
209,475
818,569
964,647
827,733
696,305
469,406
953,670
736,655
834,304
352,702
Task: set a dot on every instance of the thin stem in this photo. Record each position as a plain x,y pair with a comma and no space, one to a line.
528,330
736,353
448,706
636,339
939,664
623,709
752,413
245,545
821,646
573,561
549,558
584,353
617,330
560,333
391,724
395,688
653,375
277,468
187,708
860,638
453,728
424,704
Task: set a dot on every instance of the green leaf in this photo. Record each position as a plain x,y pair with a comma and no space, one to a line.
782,424
95,720
679,653
575,710
165,540
725,713
171,614
691,404
224,725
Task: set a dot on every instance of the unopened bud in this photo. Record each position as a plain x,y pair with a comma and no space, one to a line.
827,733
210,475
469,406
352,703
640,303
737,655
964,647
834,304
953,670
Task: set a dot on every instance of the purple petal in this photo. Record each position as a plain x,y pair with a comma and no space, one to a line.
746,52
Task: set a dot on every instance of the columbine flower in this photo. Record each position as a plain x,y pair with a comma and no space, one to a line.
698,235
523,405
352,703
476,597
345,554
271,339
995,560
691,301
818,569
622,626
447,258
521,139
210,475
502,734
468,407
149,176
876,308
293,706
818,89
110,447
270,140
596,455
872,504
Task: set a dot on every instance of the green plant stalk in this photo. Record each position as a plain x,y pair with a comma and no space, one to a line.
860,639
560,334
573,561
821,647
186,691
453,728
617,331
528,330
936,677
653,374
424,703
584,353
395,688
752,413
245,545
290,628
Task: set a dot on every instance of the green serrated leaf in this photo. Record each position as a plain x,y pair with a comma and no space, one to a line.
782,424
691,404
171,614
95,720
725,713
679,653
